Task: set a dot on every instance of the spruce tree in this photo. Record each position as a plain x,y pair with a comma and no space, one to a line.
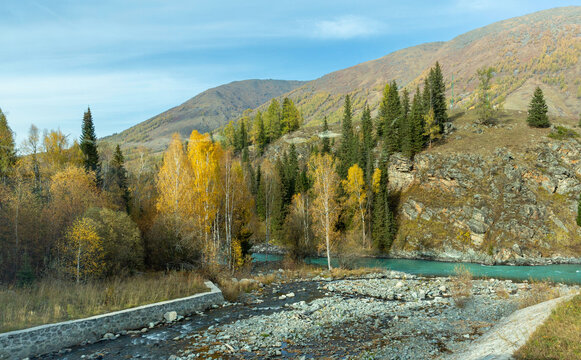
484,108
290,117
261,141
89,146
366,155
538,110
382,114
426,96
391,122
347,151
405,125
120,177
326,148
384,224
579,212
417,136
438,100
7,149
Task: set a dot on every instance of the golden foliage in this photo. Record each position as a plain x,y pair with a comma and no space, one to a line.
325,207
356,192
82,250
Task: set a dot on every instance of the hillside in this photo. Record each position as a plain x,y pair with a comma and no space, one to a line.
542,48
204,112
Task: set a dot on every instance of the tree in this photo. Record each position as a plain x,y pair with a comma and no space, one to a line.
82,250
483,106
579,212
290,116
432,130
390,112
120,240
354,187
272,121
538,110
174,181
367,143
348,149
326,148
119,175
384,225
89,146
438,96
204,159
31,146
417,124
7,150
325,207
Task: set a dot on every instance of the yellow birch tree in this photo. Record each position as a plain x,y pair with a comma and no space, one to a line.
82,250
356,192
325,207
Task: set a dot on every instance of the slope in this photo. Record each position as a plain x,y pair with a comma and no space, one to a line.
542,48
205,112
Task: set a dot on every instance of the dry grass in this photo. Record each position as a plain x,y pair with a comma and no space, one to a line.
461,288
50,301
539,292
501,292
559,337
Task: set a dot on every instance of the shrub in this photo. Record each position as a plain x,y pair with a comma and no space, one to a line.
461,288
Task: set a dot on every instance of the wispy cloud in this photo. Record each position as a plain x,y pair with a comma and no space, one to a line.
347,27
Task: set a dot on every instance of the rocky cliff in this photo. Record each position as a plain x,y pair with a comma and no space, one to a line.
502,206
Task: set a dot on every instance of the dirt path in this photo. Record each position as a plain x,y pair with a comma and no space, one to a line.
509,334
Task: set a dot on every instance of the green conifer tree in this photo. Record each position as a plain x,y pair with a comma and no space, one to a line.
272,121
384,224
438,89
348,150
418,139
579,212
405,125
290,116
261,141
367,145
392,122
120,177
89,146
7,149
326,146
538,110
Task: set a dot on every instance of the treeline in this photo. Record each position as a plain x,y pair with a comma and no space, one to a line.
77,210
64,207
337,200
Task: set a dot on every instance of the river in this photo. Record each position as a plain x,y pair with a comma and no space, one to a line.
565,273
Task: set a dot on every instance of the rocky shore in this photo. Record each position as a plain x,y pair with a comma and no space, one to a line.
389,315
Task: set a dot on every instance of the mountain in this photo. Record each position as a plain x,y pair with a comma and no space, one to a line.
542,49
204,112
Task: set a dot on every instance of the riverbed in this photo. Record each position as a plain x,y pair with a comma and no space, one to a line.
388,315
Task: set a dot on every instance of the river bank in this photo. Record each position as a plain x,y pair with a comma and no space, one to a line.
384,315
509,257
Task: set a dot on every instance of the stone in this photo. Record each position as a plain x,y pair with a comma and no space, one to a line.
170,316
108,336
290,295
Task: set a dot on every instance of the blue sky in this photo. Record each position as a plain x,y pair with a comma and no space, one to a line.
132,59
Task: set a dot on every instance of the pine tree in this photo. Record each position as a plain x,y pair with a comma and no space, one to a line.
326,148
7,152
538,110
579,212
384,225
89,146
120,177
417,124
392,121
366,155
348,150
426,96
438,96
405,126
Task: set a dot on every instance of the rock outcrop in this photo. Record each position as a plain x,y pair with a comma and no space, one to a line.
498,208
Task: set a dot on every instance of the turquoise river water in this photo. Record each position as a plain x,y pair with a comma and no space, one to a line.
558,273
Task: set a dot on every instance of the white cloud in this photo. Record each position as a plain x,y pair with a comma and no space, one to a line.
347,27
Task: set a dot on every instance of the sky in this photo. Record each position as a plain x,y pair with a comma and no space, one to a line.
130,60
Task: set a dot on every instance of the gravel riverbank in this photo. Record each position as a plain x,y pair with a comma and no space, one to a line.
388,315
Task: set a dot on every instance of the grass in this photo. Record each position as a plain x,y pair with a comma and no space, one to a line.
559,337
50,301
562,133
540,291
